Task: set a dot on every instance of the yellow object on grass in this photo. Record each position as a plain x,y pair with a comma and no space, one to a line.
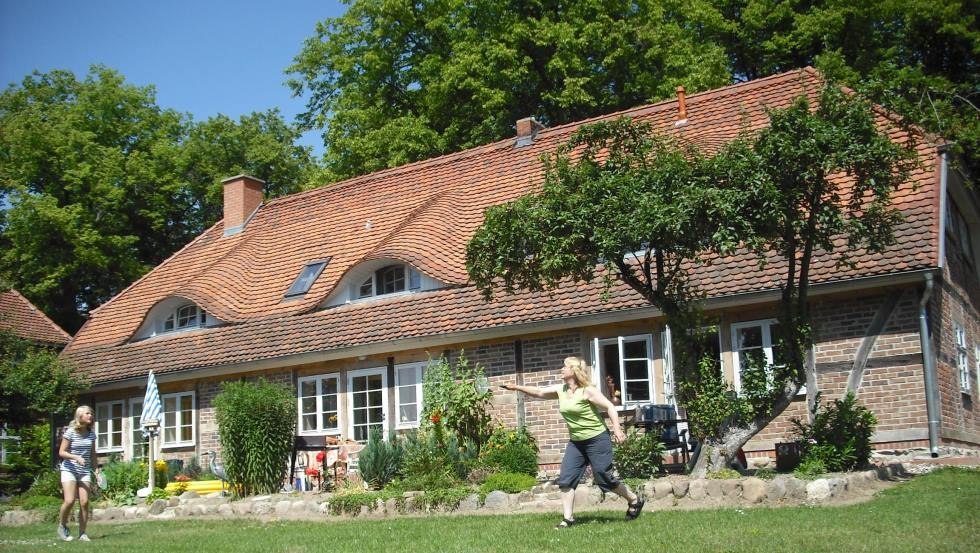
199,486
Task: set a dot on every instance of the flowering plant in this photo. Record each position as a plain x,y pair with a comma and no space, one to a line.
312,472
436,417
181,483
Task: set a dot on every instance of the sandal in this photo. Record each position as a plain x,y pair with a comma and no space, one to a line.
565,523
633,509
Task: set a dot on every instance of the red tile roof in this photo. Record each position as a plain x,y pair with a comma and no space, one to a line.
423,214
19,315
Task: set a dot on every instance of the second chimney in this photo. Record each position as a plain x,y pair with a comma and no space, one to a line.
527,129
681,107
243,195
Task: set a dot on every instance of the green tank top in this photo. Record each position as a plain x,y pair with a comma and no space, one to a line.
580,415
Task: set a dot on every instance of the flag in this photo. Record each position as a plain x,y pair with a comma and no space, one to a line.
151,403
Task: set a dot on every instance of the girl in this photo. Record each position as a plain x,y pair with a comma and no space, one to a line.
590,442
77,452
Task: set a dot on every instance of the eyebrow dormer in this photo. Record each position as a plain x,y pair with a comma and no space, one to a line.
380,278
172,315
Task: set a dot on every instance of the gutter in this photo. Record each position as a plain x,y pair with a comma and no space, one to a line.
929,369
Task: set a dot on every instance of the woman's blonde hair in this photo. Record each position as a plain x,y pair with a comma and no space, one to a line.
76,423
582,372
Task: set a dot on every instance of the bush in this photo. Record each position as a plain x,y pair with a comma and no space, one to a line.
47,505
511,451
724,474
507,482
124,478
810,468
157,493
639,456
380,461
452,397
433,459
47,483
839,437
30,456
256,422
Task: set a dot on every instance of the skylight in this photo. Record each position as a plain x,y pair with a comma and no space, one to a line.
306,278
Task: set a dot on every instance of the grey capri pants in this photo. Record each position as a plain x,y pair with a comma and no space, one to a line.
596,452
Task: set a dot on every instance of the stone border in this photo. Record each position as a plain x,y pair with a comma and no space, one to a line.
674,492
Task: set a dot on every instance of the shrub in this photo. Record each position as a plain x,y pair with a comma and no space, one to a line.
639,456
30,456
380,461
810,468
256,421
724,474
157,493
433,459
124,478
46,483
47,505
511,451
446,498
454,396
509,482
839,437
765,473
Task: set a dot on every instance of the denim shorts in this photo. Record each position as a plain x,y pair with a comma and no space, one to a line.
596,452
71,477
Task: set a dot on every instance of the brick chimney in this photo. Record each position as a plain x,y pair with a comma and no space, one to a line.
243,195
681,108
527,129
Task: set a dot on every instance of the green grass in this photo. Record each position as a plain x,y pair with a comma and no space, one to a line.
934,513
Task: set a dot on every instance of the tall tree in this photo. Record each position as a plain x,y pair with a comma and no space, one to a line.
391,82
34,383
99,184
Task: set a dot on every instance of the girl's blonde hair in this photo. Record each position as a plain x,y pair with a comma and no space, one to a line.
76,423
582,372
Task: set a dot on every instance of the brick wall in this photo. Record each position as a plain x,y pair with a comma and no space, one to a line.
543,359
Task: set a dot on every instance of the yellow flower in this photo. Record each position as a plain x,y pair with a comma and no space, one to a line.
160,464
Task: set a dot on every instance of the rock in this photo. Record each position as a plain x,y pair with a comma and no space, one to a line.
98,514
261,498
283,507
200,509
680,488
754,490
583,497
391,506
158,506
731,488
225,510
263,508
242,507
776,489
697,490
190,495
759,462
712,488
324,508
173,501
662,489
525,497
818,490
497,500
20,518
182,510
131,512
795,488
472,503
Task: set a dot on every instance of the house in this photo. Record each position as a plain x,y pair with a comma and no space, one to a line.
344,292
19,316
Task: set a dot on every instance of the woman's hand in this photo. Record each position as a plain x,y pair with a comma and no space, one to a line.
507,386
80,460
618,436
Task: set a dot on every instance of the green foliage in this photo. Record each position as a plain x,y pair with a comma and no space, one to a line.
380,461
839,437
433,459
391,82
125,478
193,468
446,499
724,474
157,493
350,502
452,399
46,483
514,451
26,458
810,468
709,400
639,456
34,383
49,506
508,482
256,422
103,184
765,473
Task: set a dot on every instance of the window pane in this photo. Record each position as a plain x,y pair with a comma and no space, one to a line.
309,422
307,388
103,440
309,405
636,370
374,382
753,358
330,403
169,404
391,279
186,403
407,376
330,386
406,394
367,288
635,350
330,421
374,397
305,280
360,400
170,435
170,419
361,433
750,337
408,413
375,415
117,411
360,416
186,434
637,391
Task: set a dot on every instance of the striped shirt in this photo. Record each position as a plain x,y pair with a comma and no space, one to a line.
81,445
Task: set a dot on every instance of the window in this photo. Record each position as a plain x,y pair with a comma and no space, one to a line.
108,426
624,368
317,404
368,401
976,362
389,280
959,229
185,317
408,394
668,366
306,278
754,344
962,363
138,444
178,419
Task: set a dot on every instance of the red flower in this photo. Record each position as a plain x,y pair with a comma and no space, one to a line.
435,418
312,472
320,456
182,478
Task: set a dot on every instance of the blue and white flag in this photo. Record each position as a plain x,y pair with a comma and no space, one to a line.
151,403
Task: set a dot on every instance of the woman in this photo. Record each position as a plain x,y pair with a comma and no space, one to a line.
590,442
77,452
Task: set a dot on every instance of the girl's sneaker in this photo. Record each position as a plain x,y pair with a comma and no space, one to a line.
83,537
63,533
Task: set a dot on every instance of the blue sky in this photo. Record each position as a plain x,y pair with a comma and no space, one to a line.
204,57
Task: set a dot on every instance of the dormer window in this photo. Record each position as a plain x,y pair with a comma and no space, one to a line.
306,278
390,279
185,317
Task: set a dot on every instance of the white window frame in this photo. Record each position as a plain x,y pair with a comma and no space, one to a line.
199,320
597,345
767,345
134,426
179,421
99,431
976,361
419,373
351,375
667,358
413,283
962,361
319,379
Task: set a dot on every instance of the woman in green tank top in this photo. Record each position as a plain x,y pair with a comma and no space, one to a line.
590,445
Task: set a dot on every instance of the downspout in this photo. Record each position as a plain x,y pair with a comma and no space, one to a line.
929,367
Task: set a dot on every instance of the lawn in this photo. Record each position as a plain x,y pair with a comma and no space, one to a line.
937,512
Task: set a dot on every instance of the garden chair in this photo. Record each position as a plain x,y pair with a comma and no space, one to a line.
671,431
